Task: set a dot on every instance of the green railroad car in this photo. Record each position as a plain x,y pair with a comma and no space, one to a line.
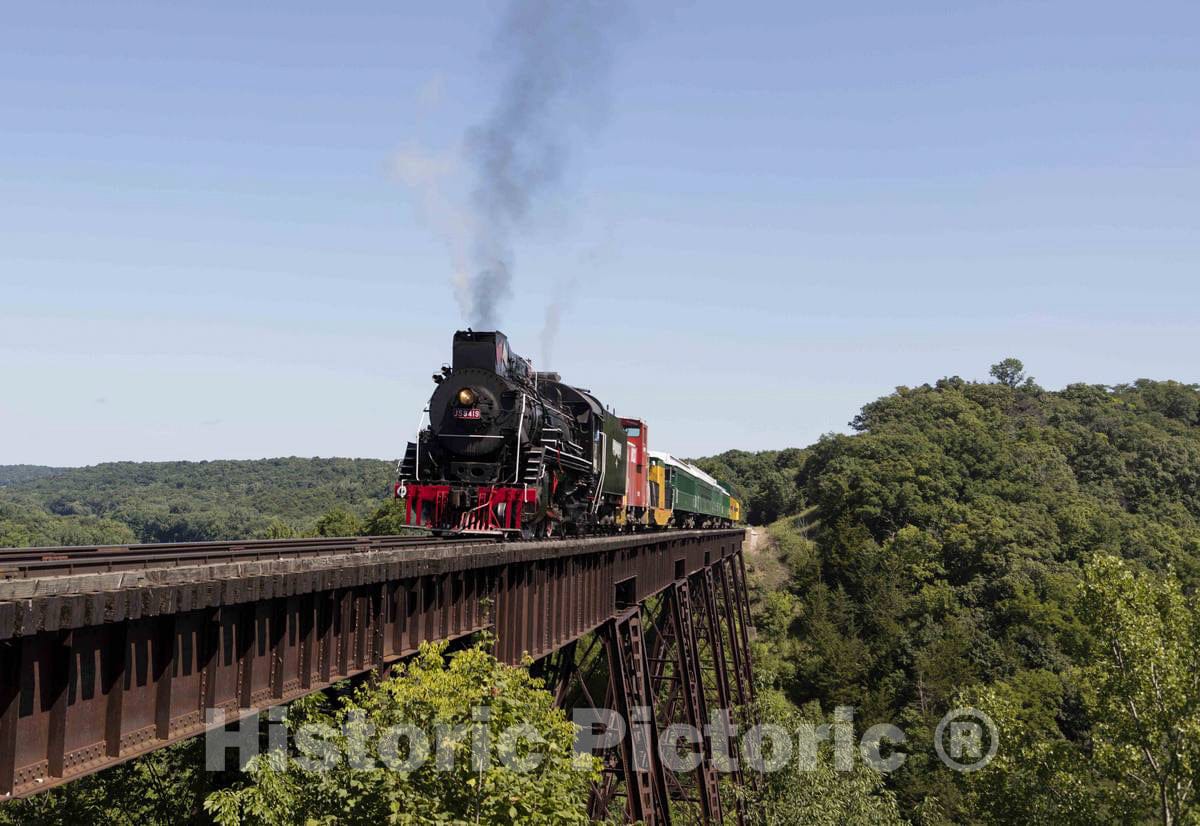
611,452
691,495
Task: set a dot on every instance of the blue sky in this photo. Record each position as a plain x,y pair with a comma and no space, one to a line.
779,212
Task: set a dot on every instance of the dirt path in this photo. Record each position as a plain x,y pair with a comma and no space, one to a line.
756,536
762,564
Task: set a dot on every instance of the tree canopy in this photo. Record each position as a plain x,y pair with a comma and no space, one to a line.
941,549
528,774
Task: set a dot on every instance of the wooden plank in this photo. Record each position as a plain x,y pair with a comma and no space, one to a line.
457,595
8,619
416,609
500,611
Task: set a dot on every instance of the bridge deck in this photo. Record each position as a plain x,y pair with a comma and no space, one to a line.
28,563
107,653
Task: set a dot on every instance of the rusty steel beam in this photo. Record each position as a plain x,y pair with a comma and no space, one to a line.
647,799
712,634
687,663
108,654
693,631
729,612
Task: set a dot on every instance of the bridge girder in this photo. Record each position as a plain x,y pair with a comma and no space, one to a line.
96,670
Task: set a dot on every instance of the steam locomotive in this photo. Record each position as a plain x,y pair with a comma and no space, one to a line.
513,452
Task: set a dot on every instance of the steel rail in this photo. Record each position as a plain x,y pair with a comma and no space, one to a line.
24,563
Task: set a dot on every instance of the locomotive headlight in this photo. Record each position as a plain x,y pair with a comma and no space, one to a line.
467,397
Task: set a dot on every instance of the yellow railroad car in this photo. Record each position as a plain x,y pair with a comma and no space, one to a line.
660,509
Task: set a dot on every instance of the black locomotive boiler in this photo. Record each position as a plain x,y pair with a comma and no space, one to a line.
508,450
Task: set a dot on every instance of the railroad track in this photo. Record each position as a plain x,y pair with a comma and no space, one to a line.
25,563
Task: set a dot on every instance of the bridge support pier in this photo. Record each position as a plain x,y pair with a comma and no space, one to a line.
631,692
680,678
685,686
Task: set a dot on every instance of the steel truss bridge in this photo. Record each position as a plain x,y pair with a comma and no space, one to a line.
107,653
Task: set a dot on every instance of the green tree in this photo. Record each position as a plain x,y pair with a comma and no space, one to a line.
776,497
278,529
1009,372
1038,777
389,519
1134,711
24,524
1144,686
165,787
764,481
532,778
339,522
817,793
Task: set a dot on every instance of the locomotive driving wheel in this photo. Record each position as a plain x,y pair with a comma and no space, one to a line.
543,521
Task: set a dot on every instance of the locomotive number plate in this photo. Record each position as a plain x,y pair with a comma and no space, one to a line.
467,413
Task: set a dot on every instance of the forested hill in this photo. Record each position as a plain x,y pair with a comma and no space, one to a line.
1055,474
11,474
1035,553
188,501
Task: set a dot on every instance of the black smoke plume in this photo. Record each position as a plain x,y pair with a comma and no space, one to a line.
552,58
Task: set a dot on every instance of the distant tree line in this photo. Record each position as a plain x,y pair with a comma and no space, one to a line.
766,481
193,501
